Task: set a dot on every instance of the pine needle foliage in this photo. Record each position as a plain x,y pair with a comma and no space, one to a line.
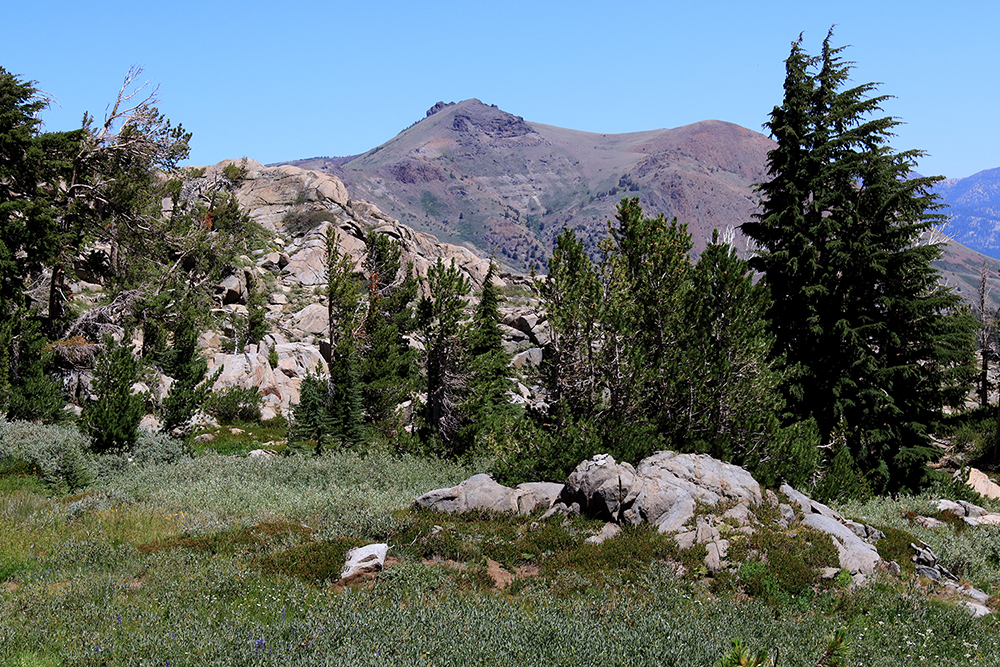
112,421
439,314
486,404
875,345
652,351
188,368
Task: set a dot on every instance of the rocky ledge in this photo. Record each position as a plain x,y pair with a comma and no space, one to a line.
693,496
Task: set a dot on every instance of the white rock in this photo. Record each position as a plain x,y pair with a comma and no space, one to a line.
856,555
982,484
362,560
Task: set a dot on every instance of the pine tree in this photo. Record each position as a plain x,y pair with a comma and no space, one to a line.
439,314
344,397
386,362
185,364
26,225
875,345
112,421
572,295
311,419
646,269
727,373
27,391
486,407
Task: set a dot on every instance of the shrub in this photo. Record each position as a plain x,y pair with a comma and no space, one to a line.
315,562
55,453
157,448
778,567
235,404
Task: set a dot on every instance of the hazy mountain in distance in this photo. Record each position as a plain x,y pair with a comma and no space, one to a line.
974,208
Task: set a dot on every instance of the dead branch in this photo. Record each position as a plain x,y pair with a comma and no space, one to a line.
104,320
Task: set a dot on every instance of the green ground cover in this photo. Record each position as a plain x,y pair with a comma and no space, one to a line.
226,560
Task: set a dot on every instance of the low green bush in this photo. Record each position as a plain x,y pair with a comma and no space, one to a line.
57,454
315,562
235,404
778,567
158,448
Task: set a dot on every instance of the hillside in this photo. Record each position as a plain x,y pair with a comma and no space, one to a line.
472,174
974,208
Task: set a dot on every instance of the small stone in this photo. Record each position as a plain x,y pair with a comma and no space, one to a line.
977,610
609,531
716,554
364,560
706,533
685,540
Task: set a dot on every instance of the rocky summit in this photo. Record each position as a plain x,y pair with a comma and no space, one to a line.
473,174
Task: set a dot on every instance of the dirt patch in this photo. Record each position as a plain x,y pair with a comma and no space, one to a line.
364,577
525,571
447,562
500,576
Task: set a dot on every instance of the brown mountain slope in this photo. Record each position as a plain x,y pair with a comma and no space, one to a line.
471,173
474,175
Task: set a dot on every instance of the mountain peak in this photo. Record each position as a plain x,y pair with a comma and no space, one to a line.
438,107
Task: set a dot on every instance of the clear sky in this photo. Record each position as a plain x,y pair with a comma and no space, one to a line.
302,78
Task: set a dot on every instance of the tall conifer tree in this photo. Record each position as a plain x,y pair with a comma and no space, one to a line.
486,406
875,344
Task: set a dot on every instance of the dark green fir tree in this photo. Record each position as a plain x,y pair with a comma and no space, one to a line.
486,408
112,421
876,346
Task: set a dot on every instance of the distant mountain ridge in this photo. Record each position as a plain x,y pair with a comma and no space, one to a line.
974,209
472,174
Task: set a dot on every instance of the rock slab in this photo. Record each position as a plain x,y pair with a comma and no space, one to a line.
482,492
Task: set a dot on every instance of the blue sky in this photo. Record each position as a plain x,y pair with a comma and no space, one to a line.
281,81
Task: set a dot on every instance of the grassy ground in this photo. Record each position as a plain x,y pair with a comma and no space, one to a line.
225,560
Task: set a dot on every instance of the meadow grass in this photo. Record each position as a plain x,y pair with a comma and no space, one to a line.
222,560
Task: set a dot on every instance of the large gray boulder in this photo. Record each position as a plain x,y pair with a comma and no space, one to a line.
982,484
313,319
808,505
663,490
669,485
600,486
482,492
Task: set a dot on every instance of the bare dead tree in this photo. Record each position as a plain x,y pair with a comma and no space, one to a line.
99,197
986,336
106,320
